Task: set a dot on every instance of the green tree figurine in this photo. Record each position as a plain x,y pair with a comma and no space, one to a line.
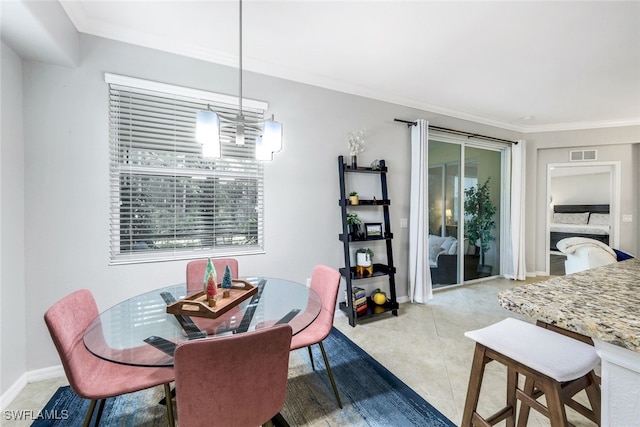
209,271
226,282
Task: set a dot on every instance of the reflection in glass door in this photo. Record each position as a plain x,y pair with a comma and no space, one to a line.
463,245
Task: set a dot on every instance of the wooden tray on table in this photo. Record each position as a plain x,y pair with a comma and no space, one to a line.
197,304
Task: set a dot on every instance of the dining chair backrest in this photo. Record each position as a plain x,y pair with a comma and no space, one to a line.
235,380
89,376
325,281
67,320
196,269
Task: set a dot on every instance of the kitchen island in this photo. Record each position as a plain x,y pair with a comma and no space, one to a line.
602,303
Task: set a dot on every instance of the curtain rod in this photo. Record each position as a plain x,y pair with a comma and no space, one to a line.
459,132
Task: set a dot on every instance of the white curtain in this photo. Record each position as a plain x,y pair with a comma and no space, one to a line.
516,269
420,289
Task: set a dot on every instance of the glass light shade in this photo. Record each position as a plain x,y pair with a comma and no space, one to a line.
262,151
208,133
272,135
240,134
270,141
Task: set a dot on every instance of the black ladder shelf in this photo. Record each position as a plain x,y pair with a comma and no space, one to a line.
349,272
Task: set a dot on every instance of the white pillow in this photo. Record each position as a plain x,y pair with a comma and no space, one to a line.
453,249
435,242
599,219
571,218
446,245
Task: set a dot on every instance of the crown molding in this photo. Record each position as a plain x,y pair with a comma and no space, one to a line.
581,126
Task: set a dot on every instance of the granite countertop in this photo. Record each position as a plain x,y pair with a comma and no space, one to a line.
602,303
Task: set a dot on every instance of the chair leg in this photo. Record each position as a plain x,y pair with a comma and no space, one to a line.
311,357
512,385
87,418
525,409
167,394
333,382
279,421
557,412
100,410
593,393
475,382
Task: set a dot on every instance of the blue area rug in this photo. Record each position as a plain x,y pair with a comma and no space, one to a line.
371,396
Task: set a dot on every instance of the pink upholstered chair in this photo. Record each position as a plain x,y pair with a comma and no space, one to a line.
236,380
325,281
89,376
196,269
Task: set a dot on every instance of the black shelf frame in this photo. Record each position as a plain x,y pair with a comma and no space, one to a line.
366,202
373,309
379,270
368,239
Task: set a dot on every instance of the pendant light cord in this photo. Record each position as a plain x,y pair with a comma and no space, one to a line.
240,50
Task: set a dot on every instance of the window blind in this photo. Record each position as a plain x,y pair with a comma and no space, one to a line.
167,200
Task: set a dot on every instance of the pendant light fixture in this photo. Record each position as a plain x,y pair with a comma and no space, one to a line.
208,124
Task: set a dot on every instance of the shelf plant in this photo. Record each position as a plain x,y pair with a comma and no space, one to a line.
365,255
354,222
353,198
364,262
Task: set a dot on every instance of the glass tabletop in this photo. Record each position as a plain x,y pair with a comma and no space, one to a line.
139,331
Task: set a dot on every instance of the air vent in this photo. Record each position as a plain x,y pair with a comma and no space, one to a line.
583,155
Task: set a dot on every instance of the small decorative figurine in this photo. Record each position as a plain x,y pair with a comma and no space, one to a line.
211,290
210,270
226,282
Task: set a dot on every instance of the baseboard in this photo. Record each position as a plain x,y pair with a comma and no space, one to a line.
26,378
402,300
45,374
13,391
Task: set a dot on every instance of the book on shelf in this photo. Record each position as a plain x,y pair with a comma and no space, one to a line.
360,301
357,295
359,298
361,309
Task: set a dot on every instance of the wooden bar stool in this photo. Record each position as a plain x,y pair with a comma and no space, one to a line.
554,365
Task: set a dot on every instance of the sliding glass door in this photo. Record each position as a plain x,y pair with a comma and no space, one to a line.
464,210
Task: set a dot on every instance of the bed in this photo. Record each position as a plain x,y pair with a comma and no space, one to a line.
591,221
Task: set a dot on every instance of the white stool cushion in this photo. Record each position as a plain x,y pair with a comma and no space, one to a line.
553,354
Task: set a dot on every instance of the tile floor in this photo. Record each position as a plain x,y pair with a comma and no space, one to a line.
424,346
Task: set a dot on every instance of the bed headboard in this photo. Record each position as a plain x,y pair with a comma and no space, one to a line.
581,208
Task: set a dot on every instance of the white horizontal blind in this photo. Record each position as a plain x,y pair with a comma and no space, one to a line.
167,200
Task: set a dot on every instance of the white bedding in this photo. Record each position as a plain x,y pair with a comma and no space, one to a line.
580,228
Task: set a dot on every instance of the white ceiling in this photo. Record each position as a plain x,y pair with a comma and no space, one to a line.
525,66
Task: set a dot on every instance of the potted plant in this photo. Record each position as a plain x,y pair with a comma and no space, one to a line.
364,264
354,224
479,224
353,198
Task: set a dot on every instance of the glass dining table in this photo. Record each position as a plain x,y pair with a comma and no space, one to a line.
139,331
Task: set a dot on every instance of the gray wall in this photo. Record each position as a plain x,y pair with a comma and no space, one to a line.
570,190
66,181
613,144
12,250
66,144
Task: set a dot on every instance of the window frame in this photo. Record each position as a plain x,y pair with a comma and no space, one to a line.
146,155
